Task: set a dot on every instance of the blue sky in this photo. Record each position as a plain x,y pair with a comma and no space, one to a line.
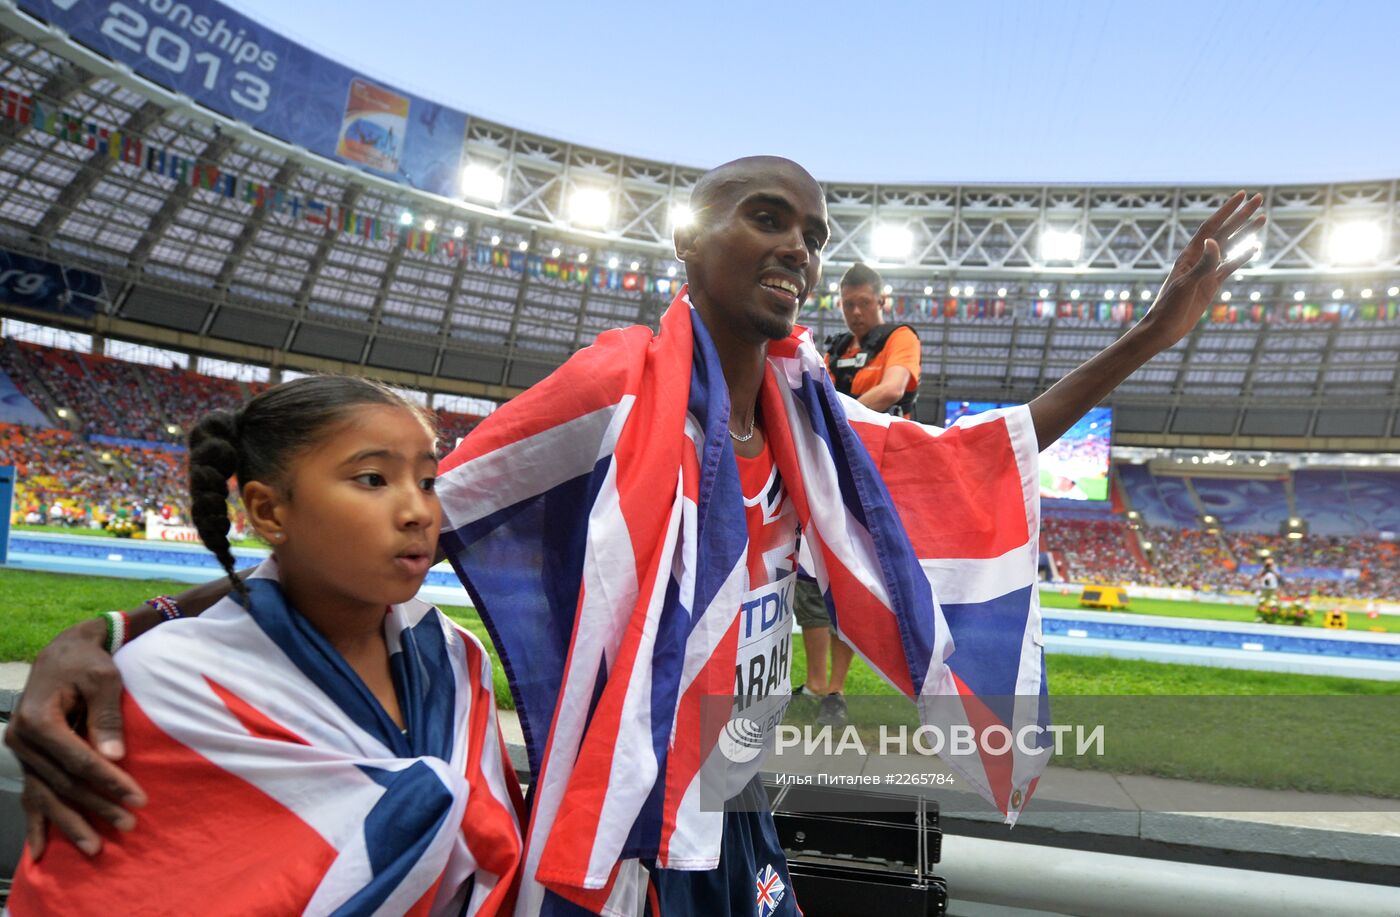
1235,91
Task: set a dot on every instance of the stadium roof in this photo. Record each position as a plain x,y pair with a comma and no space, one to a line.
282,256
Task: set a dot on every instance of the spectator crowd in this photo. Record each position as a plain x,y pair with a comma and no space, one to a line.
1100,552
66,478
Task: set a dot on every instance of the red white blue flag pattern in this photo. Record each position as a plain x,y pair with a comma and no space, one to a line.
598,522
769,891
278,784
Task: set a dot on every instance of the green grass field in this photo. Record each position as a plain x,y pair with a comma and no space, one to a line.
1215,611
1319,738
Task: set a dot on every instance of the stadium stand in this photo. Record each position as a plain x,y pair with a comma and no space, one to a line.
452,426
1344,544
1099,551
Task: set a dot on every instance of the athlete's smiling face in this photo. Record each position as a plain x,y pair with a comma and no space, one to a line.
755,253
358,517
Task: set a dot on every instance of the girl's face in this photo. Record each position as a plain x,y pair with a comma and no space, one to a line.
358,517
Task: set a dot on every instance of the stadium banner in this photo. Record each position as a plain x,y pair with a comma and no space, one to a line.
102,439
16,408
230,64
157,529
36,284
1321,573
7,504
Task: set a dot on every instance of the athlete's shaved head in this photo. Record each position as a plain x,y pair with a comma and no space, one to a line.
724,183
754,249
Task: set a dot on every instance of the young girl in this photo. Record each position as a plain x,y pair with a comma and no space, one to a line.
320,741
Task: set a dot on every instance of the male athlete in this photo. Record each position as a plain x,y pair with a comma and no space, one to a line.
752,256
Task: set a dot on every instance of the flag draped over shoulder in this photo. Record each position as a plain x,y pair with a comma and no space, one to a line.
597,520
278,784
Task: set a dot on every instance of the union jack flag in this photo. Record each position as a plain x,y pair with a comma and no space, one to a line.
598,522
770,890
277,784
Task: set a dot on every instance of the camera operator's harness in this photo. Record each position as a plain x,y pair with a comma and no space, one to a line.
844,369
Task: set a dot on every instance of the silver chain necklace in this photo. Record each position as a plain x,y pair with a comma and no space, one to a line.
746,437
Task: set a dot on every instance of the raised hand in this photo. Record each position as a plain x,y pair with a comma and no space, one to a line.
1196,277
1190,289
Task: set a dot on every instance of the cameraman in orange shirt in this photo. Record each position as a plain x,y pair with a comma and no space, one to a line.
878,364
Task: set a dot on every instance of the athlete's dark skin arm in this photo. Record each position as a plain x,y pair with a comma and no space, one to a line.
73,680
1189,290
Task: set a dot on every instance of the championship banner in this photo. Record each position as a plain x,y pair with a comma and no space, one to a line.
37,284
232,65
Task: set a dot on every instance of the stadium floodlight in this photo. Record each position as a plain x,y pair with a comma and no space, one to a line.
1001,292
636,264
1355,242
62,412
1245,244
459,231
969,290
1108,294
613,263
523,245
554,252
1298,296
1254,297
1145,295
495,240
430,225
406,218
1147,546
671,271
1060,245
955,291
1044,292
172,429
681,216
590,207
1225,296
1124,295
928,291
1338,293
891,242
480,182
1073,294
1366,293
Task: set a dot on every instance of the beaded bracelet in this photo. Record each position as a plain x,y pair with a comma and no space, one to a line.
169,609
117,630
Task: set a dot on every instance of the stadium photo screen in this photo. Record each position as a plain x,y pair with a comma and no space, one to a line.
1075,467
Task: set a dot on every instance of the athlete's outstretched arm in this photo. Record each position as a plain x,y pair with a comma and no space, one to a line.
67,777
1189,290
